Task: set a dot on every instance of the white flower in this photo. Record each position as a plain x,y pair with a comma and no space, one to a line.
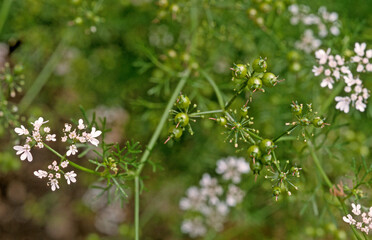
53,184
64,138
234,195
194,200
37,124
50,137
67,127
72,150
210,188
360,105
193,227
91,137
70,177
322,55
72,135
64,164
81,124
327,82
40,174
349,219
24,151
21,131
343,103
231,168
317,70
359,48
356,209
47,129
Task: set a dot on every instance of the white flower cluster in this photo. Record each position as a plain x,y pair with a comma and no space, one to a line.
211,202
325,22
365,218
54,173
333,68
38,138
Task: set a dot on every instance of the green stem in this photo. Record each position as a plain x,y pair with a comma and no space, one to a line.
235,95
151,145
205,113
254,135
285,133
43,76
216,89
4,13
77,166
328,182
136,207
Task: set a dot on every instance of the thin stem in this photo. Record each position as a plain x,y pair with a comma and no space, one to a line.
285,133
77,166
328,182
151,145
136,207
254,135
235,95
4,12
43,76
205,113
216,89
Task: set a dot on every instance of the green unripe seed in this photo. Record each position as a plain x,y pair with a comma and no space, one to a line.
276,191
182,119
244,111
266,145
239,71
254,152
183,102
222,121
267,159
175,132
254,83
296,109
256,167
304,121
318,122
269,79
259,65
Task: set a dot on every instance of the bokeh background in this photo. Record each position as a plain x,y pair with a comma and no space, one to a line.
112,57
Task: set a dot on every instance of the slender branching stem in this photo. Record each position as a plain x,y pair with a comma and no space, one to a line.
75,165
151,145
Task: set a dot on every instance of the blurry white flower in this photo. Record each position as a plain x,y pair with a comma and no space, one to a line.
24,151
360,48
70,177
210,188
322,55
356,209
21,131
64,164
193,227
81,124
231,168
327,82
349,219
38,123
53,184
72,150
50,137
91,137
194,200
234,195
343,103
317,70
47,129
40,174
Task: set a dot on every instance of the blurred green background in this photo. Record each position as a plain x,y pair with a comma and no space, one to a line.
113,57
